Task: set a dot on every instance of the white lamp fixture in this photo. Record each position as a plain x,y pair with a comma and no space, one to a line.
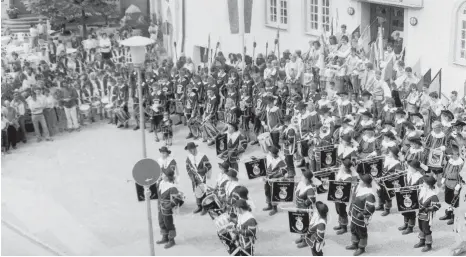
137,45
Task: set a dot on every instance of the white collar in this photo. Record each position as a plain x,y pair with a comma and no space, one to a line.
437,135
412,150
367,139
360,191
165,162
302,188
165,185
366,122
457,162
426,193
199,157
242,218
233,136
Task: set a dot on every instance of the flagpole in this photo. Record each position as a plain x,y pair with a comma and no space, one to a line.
242,27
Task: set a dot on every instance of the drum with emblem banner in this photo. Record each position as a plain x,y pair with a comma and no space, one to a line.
326,157
407,199
326,177
282,191
393,183
372,166
255,168
221,143
298,221
435,159
339,191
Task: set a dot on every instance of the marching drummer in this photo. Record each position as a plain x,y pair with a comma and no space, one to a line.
222,180
167,202
167,129
230,187
345,173
276,169
305,198
413,178
316,232
246,227
236,145
391,165
167,162
197,165
289,138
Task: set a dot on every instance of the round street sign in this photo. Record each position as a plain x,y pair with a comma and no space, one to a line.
146,172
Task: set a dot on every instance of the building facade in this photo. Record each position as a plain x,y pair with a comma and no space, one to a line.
433,31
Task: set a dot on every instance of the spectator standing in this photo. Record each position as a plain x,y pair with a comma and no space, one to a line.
36,104
70,101
34,33
20,107
49,112
41,29
11,124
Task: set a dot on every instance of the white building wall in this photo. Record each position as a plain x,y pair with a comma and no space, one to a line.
429,41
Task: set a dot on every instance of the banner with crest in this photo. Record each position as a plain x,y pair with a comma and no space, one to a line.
283,191
326,157
221,143
325,177
298,221
435,158
255,168
339,191
393,183
372,166
407,199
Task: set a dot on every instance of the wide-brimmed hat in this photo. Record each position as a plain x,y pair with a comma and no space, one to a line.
367,179
342,93
322,208
436,124
164,149
242,204
448,113
395,150
400,111
390,135
415,140
308,175
429,180
366,93
417,115
409,125
190,145
415,164
224,166
169,173
301,106
459,123
242,192
234,125
367,114
346,138
273,149
232,173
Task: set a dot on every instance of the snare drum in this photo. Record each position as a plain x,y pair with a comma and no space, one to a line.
84,108
211,202
265,140
222,222
104,100
108,106
96,104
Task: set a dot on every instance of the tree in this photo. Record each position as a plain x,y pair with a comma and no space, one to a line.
62,11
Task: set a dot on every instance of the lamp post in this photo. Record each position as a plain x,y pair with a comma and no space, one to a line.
137,45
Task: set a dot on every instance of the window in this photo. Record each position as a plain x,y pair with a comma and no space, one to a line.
317,16
277,13
460,55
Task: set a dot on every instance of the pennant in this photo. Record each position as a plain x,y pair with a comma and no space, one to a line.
331,27
428,77
247,15
358,29
233,16
417,68
277,39
436,83
388,72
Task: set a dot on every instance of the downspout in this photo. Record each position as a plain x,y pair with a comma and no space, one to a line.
183,25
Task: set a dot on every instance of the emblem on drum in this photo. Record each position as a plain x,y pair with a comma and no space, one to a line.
374,170
283,194
329,159
407,201
299,223
221,146
179,89
325,183
255,169
339,192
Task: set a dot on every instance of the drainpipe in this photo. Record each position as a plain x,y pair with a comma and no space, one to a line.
183,24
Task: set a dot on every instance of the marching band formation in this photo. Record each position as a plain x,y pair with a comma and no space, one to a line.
356,134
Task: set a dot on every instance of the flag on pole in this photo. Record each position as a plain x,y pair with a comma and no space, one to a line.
388,71
417,68
426,79
233,16
247,15
436,83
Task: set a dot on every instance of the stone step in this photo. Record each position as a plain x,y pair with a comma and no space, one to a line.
17,26
20,22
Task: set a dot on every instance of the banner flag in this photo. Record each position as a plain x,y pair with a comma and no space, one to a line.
233,16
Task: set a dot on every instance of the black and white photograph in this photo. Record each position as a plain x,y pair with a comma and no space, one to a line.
233,128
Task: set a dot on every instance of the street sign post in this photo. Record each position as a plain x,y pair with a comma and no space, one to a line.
145,173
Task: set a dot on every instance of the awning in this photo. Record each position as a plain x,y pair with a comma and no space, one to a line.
400,3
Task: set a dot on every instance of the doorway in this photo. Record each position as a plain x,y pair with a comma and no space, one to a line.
393,20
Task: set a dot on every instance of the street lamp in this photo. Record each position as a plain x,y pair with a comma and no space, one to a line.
137,45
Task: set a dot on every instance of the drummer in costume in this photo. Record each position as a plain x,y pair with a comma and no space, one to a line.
167,162
157,110
305,197
413,178
210,113
415,151
169,198
191,112
362,207
388,140
316,233
390,166
435,141
446,118
246,117
347,148
428,205
198,166
366,121
289,139
388,112
368,144
180,92
222,181
236,145
231,187
260,104
232,112
344,106
276,169
418,121
167,129
246,227
452,181
345,174
346,129
271,120
122,106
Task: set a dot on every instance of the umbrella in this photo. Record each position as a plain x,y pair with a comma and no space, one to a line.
132,9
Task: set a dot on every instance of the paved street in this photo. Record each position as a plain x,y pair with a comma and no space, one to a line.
75,194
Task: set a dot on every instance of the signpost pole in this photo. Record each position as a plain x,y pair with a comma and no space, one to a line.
149,220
